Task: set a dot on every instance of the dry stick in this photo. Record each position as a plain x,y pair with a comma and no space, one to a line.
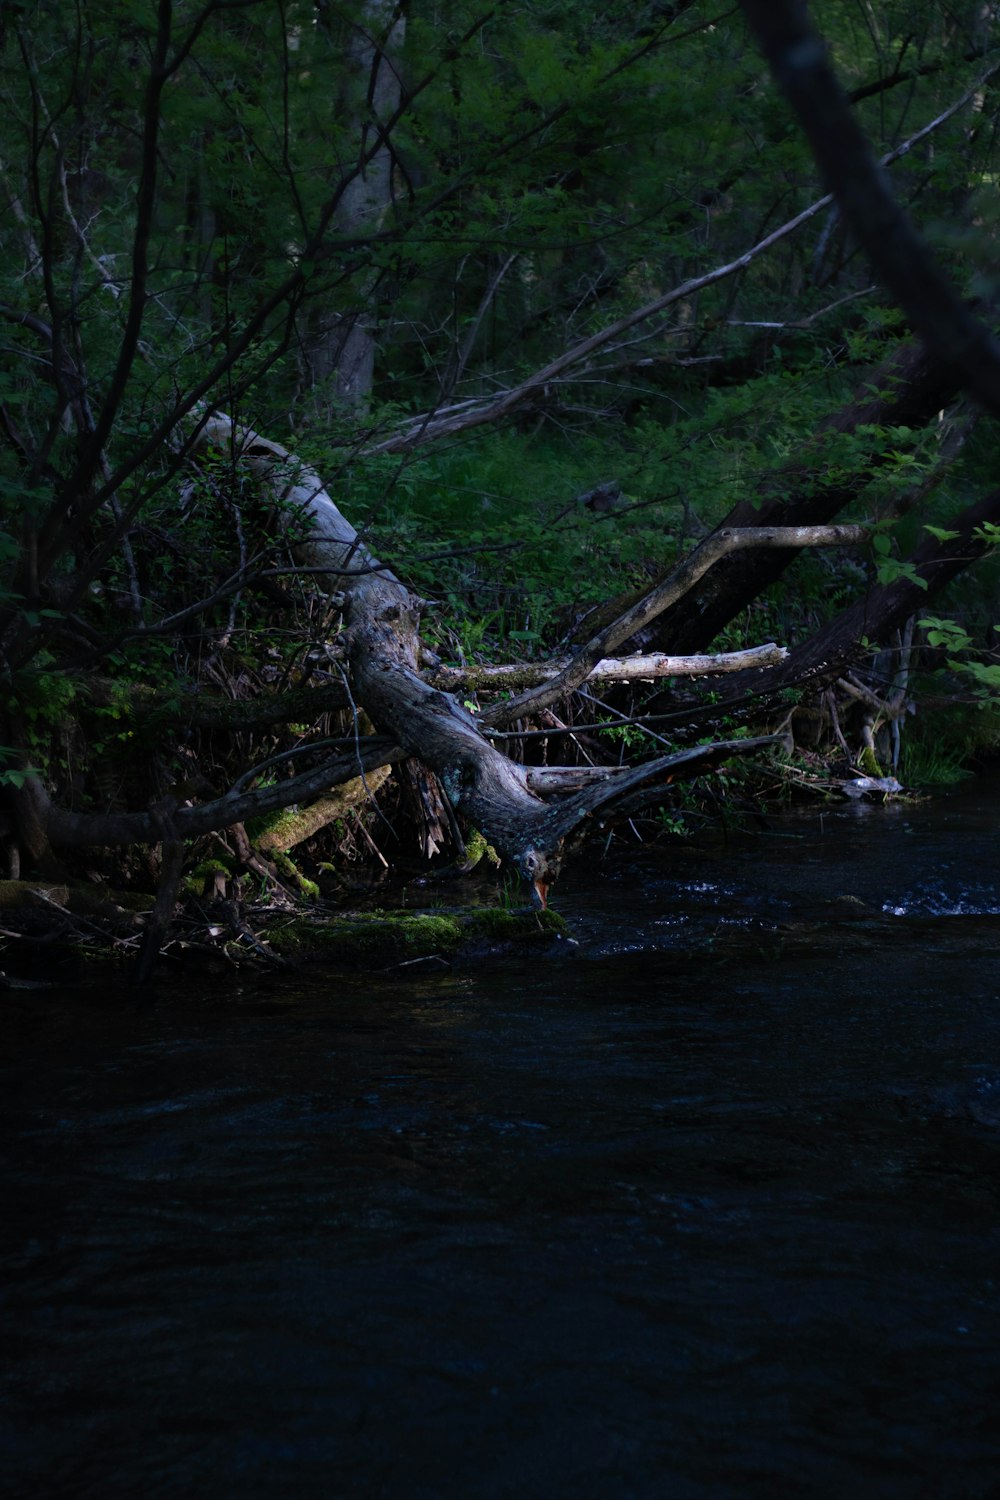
609,669
465,414
75,829
720,544
382,621
464,348
831,704
864,695
370,841
73,919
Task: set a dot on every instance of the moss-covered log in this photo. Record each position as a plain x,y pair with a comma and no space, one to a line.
293,825
385,939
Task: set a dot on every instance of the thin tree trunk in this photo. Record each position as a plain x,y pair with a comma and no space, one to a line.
341,343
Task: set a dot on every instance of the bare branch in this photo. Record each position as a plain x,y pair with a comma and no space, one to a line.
610,669
432,725
433,425
720,544
75,829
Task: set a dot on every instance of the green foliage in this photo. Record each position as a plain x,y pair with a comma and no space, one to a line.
953,638
945,633
673,823
889,569
13,776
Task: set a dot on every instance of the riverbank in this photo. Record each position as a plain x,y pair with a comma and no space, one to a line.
76,934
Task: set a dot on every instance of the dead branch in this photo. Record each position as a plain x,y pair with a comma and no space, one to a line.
475,412
383,650
609,669
715,547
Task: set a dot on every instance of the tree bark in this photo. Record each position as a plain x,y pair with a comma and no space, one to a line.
639,667
876,614
706,556
900,256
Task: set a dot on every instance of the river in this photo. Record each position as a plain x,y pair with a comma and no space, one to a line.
704,1206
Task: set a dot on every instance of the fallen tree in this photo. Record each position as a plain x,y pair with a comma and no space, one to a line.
532,816
482,784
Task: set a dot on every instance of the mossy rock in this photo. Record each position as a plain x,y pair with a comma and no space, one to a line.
383,939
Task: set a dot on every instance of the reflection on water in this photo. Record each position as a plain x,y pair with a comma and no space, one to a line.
707,1207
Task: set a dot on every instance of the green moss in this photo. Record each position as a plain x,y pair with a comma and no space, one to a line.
291,871
200,881
17,893
284,820
500,925
381,939
476,849
869,764
376,939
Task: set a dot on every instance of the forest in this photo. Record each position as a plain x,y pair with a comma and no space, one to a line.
431,434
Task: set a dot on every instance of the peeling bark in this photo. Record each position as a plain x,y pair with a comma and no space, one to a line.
907,389
529,817
720,545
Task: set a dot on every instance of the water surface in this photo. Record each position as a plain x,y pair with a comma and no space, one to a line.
706,1206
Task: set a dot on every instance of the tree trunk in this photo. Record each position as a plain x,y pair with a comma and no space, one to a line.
341,342
875,615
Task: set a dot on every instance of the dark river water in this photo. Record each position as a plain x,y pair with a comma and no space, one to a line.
705,1206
